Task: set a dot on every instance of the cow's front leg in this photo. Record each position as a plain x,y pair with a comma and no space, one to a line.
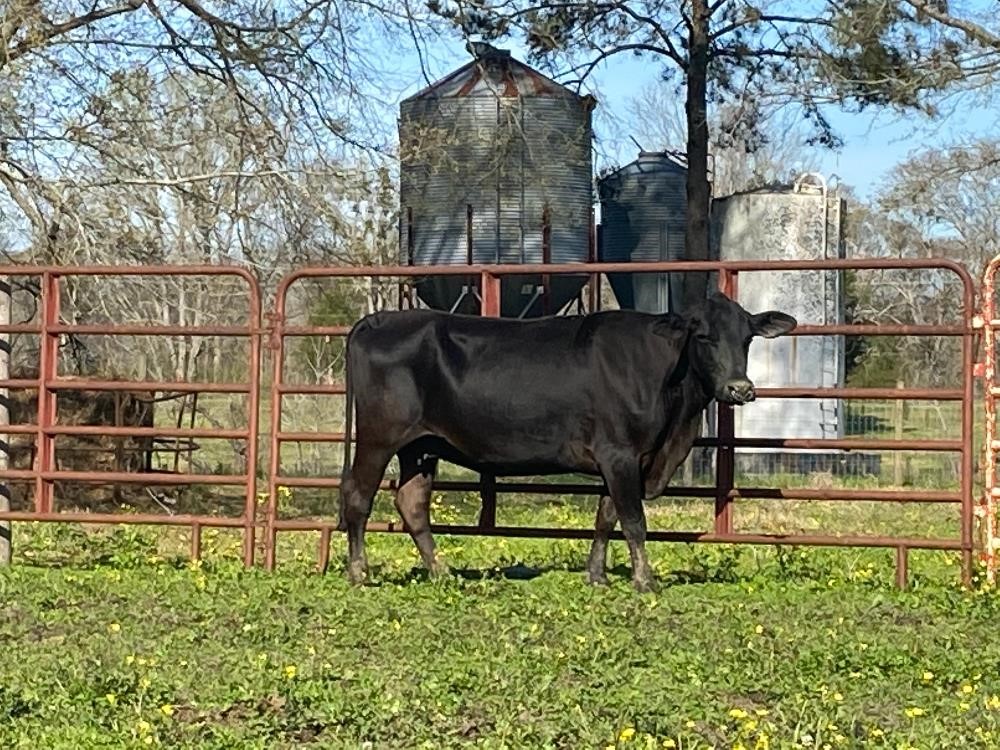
607,517
625,485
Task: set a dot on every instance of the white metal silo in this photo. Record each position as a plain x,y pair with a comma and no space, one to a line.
800,222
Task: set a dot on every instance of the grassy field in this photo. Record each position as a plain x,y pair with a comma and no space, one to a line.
113,639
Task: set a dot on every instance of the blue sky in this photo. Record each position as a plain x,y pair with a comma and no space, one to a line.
874,141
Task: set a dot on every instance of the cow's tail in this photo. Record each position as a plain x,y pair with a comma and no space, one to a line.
348,429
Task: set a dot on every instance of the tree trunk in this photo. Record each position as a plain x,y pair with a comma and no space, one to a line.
698,195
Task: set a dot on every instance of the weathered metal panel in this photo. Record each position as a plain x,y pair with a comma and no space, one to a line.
787,225
514,146
643,217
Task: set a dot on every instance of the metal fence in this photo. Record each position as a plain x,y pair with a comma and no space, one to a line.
44,473
726,483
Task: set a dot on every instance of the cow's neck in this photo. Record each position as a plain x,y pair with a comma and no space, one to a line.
685,404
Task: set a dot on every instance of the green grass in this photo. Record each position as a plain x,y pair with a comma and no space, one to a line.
112,639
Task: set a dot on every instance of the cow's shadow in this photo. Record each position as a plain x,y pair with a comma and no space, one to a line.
522,572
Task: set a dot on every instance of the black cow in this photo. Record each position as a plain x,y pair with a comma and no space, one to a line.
614,394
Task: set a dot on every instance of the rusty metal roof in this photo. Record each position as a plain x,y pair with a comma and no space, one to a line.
494,73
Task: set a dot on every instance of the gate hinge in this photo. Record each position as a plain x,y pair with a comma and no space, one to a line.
978,322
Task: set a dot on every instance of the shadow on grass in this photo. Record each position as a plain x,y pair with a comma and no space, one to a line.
521,572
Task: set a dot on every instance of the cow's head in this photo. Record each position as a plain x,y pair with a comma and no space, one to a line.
721,332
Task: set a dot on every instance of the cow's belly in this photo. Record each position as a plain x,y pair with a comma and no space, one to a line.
503,452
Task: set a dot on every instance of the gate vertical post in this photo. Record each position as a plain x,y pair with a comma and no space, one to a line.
725,462
490,284
987,506
253,430
48,369
6,305
277,346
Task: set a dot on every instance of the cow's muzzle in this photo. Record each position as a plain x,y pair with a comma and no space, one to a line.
739,392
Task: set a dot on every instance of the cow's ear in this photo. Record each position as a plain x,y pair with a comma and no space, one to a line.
771,324
697,325
671,326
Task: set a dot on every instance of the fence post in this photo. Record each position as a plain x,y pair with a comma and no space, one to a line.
491,306
897,420
6,541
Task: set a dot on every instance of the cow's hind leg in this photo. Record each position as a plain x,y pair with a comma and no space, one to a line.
413,501
625,485
357,493
607,517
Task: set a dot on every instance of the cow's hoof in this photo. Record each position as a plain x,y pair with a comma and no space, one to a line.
357,574
438,572
645,585
597,578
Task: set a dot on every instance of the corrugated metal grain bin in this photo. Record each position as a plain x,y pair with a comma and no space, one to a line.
496,167
643,210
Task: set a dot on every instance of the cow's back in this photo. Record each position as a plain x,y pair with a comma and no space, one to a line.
508,393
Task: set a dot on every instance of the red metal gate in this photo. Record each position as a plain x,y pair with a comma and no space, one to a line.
44,473
725,492
49,327
986,509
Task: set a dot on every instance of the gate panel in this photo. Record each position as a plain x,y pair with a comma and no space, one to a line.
724,493
44,472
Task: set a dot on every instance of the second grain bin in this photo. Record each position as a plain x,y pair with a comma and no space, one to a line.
496,167
643,216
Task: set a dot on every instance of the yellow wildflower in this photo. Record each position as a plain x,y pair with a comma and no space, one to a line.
838,697
914,711
167,710
967,688
143,726
993,702
114,627
626,734
763,742
112,699
759,629
927,676
738,713
669,743
689,724
290,671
